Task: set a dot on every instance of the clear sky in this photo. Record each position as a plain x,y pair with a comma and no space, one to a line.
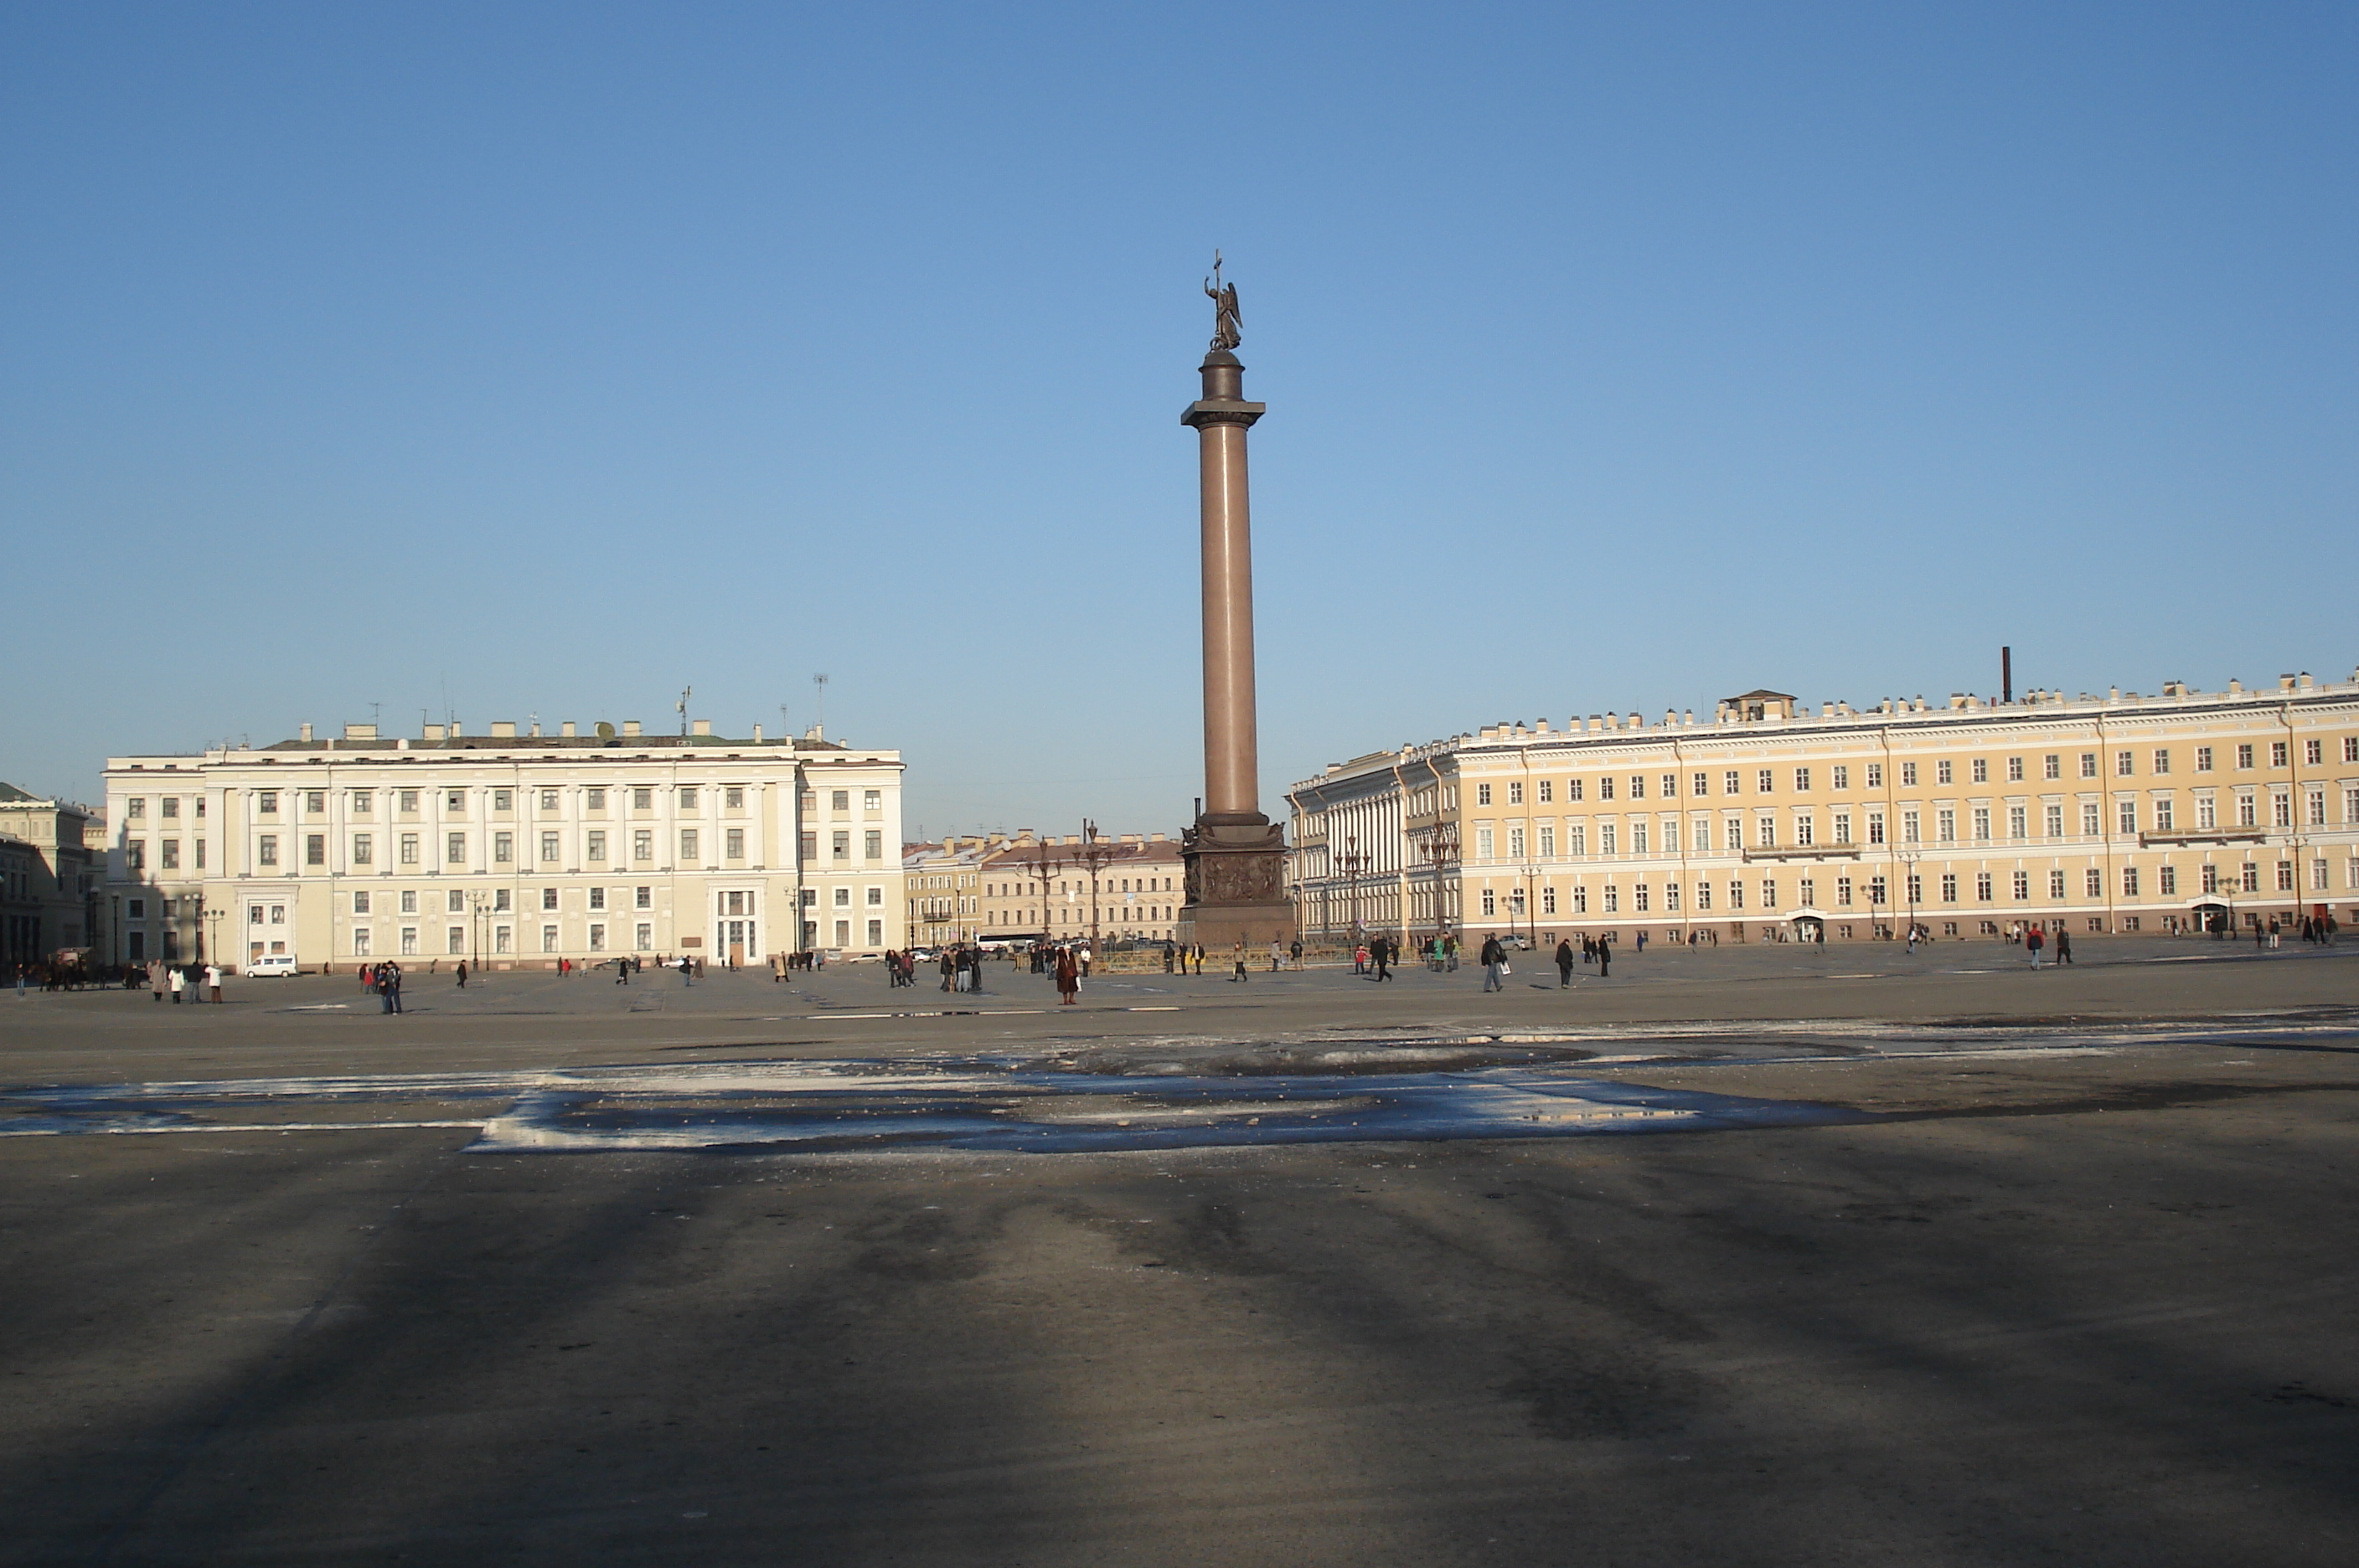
530,360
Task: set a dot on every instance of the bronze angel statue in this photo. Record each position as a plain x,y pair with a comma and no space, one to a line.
1226,320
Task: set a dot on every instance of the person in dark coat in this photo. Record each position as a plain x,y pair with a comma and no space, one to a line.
1068,977
1495,962
1564,963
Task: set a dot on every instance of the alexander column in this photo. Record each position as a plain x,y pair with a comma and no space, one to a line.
1236,857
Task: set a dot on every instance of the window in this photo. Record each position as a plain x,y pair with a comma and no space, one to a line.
1576,838
643,844
1769,892
840,848
844,897
2317,818
873,845
2167,880
2089,828
643,800
1809,891
2277,754
2023,884
1572,789
1735,894
1803,828
364,802
409,901
1703,896
2125,812
1605,787
454,902
503,939
361,941
1728,782
1801,780
504,800
688,797
548,939
1547,791
1639,901
2088,765
2281,809
1875,776
1908,774
2252,877
1638,838
598,937
2056,884
265,850
2205,812
1765,783
808,846
734,798
1842,889
454,799
734,841
1482,794
1605,838
2055,822
2051,767
1765,832
2162,759
548,897
362,849
1482,843
2125,764
138,807
1612,900
504,848
1547,842
454,938
596,840
644,936
2015,770
1701,784
2094,882
876,897
548,848
1514,792
594,800
267,800
1982,886
315,849
406,846
1945,825
1908,827
1490,902
1949,890
1515,844
503,898
642,897
2162,814
1842,777
2016,827
1982,824
455,849
1670,786
688,846
872,799
1942,774
359,903
2351,748
2248,811
1915,888
2313,753
2243,757
1982,769
2129,881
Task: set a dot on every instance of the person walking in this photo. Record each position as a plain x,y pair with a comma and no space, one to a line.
213,984
388,984
1605,958
1277,956
1381,950
155,976
1068,977
2063,945
177,981
2034,941
1564,962
1240,977
1295,952
463,974
1494,965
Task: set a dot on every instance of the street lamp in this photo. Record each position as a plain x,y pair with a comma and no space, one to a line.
1531,904
1908,859
1042,866
1095,855
1439,848
1352,863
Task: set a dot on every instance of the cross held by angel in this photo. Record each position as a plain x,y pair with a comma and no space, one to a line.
1226,319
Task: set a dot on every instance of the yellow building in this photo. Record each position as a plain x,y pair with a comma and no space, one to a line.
2096,814
1133,891
506,848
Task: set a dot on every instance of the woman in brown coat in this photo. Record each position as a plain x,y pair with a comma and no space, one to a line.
1068,977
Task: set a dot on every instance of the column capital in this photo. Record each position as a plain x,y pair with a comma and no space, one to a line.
1222,411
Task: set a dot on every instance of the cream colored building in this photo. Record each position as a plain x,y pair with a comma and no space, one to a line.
943,887
2097,814
1135,890
507,848
49,899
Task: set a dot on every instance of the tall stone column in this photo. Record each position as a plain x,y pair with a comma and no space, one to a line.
1236,857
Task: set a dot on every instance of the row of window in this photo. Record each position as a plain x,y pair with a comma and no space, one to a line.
363,802
2216,879
410,901
1765,779
599,847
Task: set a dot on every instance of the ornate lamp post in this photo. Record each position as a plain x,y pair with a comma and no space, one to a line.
1350,863
1042,865
1439,848
1095,855
1908,859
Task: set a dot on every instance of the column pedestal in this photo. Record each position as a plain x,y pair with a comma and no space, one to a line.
1236,885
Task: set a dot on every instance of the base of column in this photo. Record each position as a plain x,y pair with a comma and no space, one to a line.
1236,885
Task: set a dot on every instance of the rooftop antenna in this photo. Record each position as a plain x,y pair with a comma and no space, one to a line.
2006,675
819,728
373,708
685,693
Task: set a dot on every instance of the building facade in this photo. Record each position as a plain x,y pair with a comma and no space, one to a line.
49,874
2114,813
945,884
507,848
1133,891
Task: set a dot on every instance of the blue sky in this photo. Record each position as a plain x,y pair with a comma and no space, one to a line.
558,357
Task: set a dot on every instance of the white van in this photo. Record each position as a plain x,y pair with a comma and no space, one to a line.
281,965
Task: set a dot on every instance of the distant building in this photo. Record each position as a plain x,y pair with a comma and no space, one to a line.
945,887
49,898
1136,894
506,848
2097,814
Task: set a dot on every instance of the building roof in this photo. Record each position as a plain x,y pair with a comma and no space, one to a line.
1760,691
10,792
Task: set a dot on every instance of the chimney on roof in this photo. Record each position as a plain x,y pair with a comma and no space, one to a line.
307,731
630,726
360,732
502,729
433,731
2006,675
566,729
700,726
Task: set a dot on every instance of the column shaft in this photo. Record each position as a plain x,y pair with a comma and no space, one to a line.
1232,785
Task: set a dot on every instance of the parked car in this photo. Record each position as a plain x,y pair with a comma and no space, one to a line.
280,965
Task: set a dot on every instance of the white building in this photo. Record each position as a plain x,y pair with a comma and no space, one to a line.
506,848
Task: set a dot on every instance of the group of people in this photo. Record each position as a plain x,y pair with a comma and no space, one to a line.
176,979
384,980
